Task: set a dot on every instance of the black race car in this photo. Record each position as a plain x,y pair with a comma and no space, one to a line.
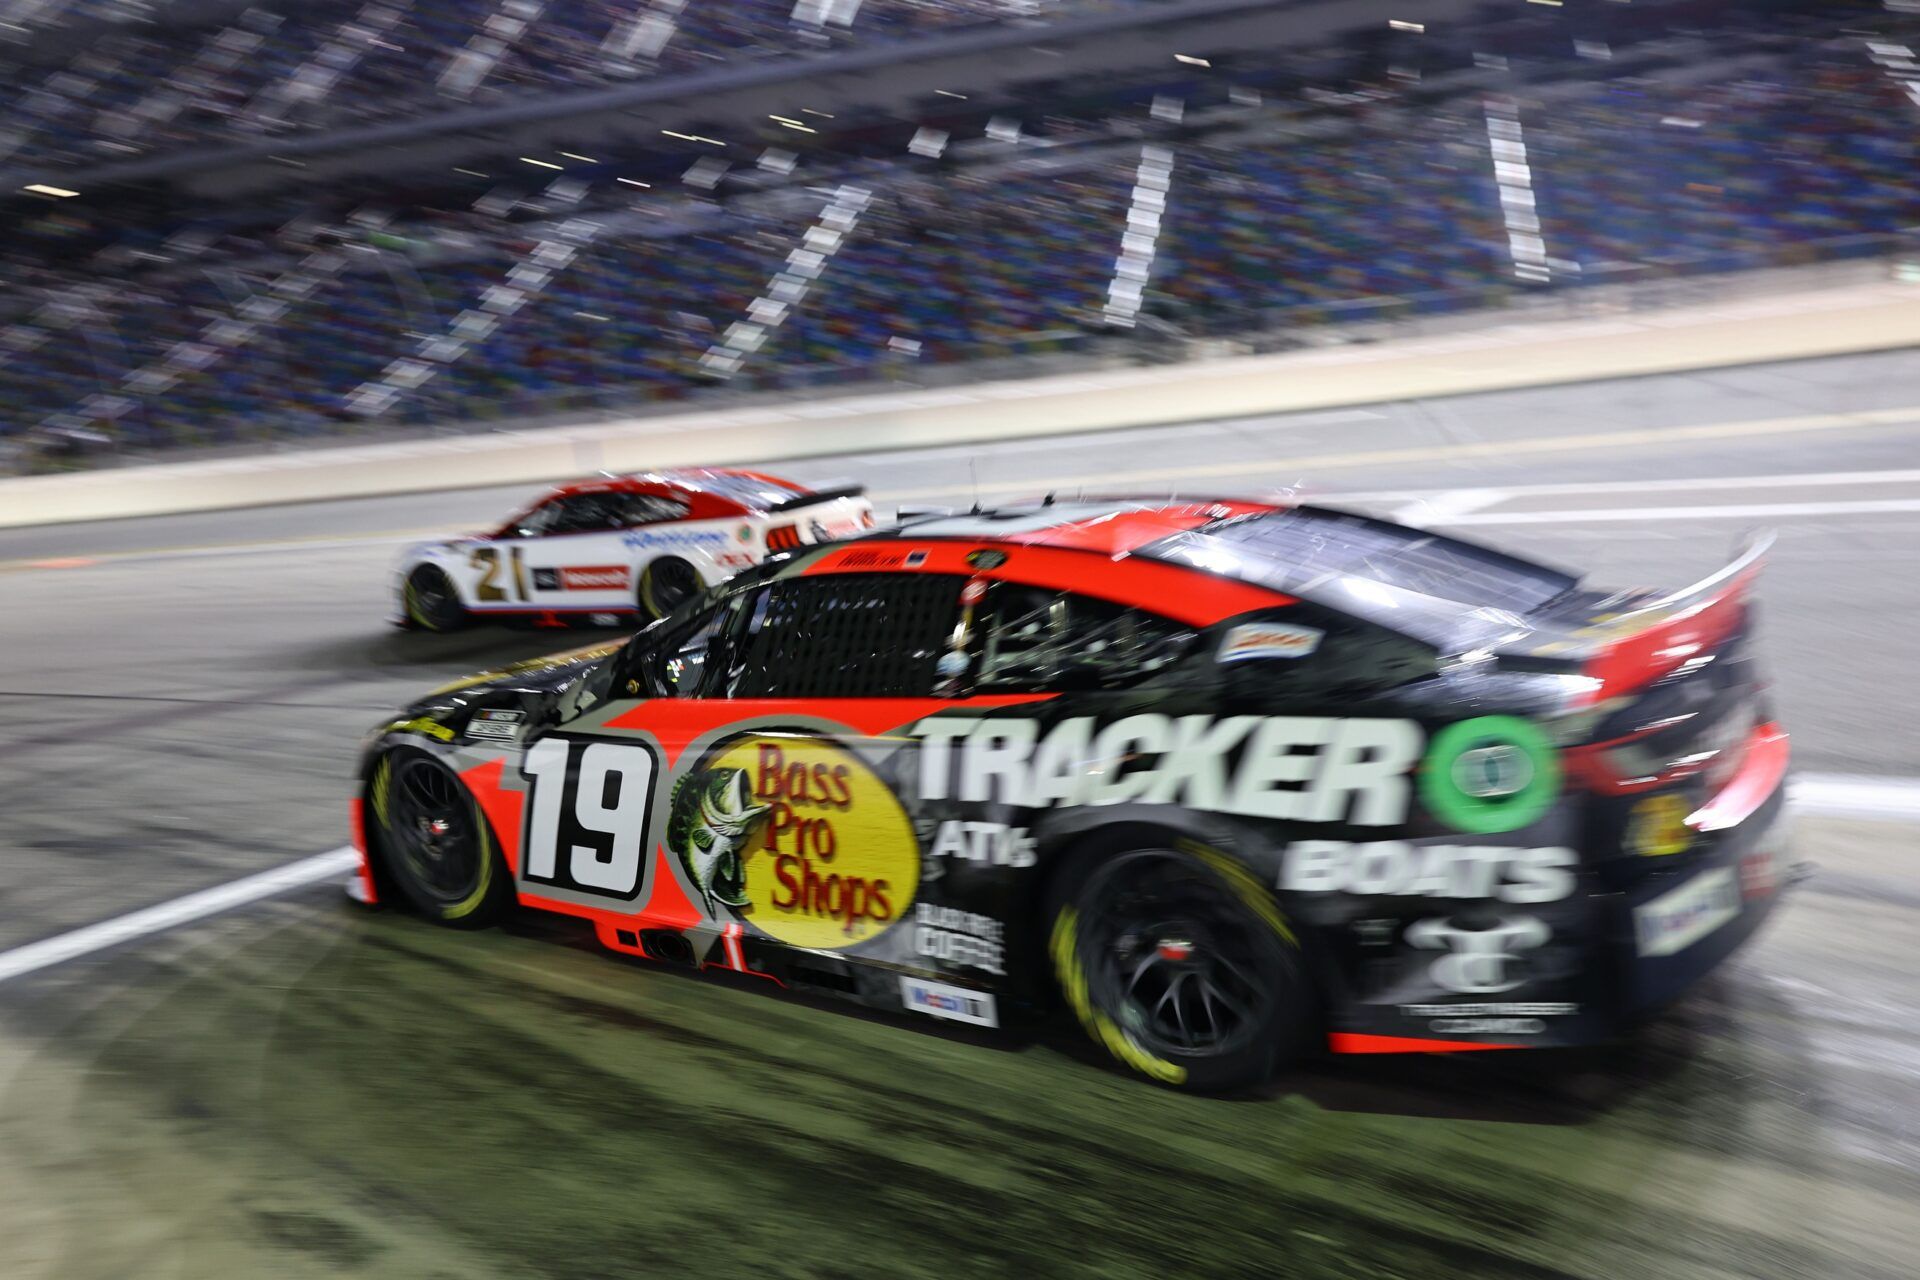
1232,781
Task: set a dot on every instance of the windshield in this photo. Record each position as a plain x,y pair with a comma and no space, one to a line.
1303,548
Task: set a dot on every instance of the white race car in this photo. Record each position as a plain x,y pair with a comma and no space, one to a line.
604,550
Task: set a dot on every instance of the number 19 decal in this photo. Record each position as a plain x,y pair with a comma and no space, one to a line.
588,817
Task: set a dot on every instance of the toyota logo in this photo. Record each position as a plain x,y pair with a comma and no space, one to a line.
1492,772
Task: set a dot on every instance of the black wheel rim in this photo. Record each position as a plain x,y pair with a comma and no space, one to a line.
431,595
1174,957
435,831
670,584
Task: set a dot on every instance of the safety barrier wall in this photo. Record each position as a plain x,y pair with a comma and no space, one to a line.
1865,317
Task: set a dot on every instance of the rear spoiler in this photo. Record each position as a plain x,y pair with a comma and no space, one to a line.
814,497
1635,648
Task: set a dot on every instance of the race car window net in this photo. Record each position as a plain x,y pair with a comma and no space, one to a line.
848,635
1036,639
1301,548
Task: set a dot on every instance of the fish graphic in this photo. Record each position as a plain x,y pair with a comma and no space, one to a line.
712,818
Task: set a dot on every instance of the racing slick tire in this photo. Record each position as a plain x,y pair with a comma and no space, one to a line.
1179,963
430,601
434,842
666,584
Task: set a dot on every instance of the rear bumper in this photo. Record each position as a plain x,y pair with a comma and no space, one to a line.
1675,927
1637,949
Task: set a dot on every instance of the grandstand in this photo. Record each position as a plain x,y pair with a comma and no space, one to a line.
1135,206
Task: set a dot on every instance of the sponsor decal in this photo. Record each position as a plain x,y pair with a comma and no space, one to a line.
959,937
734,560
1293,768
594,577
798,838
1505,1019
874,558
673,538
988,843
1657,827
1479,961
974,592
986,558
1681,917
501,725
546,579
955,1004
1269,640
1490,774
1396,868
744,533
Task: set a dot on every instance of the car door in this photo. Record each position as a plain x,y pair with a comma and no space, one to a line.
750,772
578,563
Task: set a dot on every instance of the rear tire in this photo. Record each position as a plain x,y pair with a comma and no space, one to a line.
666,584
431,602
435,842
1179,963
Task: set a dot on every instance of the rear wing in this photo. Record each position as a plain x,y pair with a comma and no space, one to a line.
1633,649
816,497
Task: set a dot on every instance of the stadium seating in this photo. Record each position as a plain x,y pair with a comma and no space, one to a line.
1260,229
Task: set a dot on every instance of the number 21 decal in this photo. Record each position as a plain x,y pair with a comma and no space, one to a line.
588,816
486,561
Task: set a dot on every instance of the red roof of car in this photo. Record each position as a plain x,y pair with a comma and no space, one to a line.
721,481
1113,526
1073,546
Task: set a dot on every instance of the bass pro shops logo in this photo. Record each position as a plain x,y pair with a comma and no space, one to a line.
1479,961
798,837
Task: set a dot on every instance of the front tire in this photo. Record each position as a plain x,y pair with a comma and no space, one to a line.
431,602
666,584
1179,963
435,843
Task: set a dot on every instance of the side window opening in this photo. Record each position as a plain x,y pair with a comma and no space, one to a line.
874,635
648,508
1039,639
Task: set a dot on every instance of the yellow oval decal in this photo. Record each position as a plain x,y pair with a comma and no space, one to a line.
831,859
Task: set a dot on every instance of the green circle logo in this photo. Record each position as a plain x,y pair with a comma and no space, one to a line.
1490,774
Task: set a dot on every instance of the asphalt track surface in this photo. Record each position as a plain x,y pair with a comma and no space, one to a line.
299,1088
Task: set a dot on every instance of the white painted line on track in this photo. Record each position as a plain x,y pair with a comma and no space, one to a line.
169,915
1733,511
1840,795
1705,484
1447,508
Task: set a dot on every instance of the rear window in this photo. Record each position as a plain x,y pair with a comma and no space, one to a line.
757,495
1302,548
